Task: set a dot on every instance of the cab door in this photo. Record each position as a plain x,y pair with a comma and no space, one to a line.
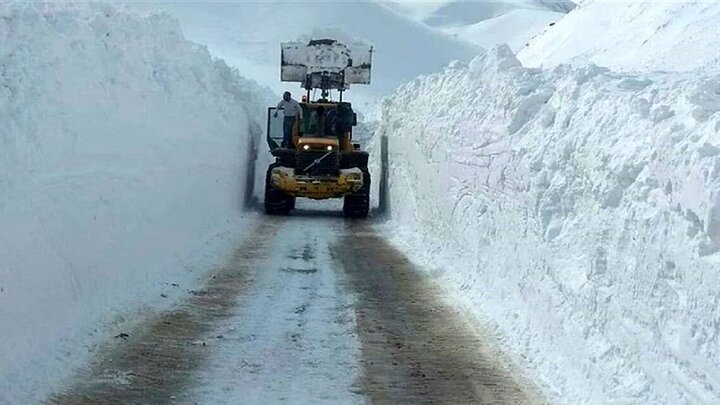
275,127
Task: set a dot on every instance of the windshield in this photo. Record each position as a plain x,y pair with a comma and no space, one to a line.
318,122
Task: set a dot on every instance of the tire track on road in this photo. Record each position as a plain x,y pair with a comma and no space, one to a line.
415,347
158,360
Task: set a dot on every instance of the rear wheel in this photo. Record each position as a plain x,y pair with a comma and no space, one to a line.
277,202
357,204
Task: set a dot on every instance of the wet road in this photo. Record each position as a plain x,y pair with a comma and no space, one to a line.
313,309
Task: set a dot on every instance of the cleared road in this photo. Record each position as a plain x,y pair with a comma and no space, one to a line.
313,309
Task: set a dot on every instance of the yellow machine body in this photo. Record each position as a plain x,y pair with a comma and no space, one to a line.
317,188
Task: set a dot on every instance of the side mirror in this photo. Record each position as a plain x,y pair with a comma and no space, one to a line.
354,121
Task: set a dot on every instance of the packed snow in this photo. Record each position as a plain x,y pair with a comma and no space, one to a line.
123,154
487,23
457,13
342,64
408,38
632,36
514,28
248,35
295,337
577,210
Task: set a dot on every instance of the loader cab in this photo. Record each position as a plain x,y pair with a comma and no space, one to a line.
318,121
321,119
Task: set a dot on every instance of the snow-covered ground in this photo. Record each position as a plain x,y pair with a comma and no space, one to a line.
409,38
578,211
632,36
487,23
248,35
294,336
455,13
123,153
514,28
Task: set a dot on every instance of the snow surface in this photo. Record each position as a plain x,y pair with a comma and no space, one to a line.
294,336
464,13
514,28
486,23
633,36
578,211
353,60
123,154
248,35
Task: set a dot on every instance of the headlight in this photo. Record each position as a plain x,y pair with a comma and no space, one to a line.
330,148
306,147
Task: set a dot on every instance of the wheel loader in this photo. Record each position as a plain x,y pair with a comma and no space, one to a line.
321,161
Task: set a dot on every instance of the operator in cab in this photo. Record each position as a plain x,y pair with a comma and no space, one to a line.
291,111
323,122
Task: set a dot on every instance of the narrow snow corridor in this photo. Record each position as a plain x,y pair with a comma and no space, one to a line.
542,180
312,309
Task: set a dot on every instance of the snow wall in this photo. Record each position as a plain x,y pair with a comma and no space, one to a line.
123,155
575,210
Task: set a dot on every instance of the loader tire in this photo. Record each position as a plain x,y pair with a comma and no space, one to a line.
277,202
357,204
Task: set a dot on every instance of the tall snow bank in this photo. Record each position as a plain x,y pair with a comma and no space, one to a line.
632,36
123,153
578,211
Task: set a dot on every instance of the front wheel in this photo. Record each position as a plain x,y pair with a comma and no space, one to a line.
357,204
277,202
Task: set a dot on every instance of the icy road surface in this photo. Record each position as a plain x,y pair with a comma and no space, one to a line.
314,309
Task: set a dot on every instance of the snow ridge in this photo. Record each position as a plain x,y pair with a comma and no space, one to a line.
632,36
578,211
122,152
463,13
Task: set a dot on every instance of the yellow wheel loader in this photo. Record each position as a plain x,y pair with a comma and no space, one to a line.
321,161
